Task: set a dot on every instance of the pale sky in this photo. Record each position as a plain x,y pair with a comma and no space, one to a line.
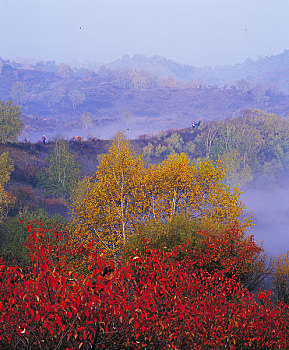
197,32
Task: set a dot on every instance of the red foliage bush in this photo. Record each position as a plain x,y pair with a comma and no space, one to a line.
235,253
152,301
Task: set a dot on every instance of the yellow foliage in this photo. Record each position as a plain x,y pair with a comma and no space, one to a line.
124,195
108,213
3,202
6,167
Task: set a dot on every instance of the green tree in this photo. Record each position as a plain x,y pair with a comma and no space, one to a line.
162,150
236,174
148,151
6,168
190,149
6,200
62,173
175,143
14,235
10,124
180,230
206,139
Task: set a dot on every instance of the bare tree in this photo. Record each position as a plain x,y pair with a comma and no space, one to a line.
64,71
76,98
18,92
243,85
86,120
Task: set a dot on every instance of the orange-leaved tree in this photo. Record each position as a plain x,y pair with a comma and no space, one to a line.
124,195
107,207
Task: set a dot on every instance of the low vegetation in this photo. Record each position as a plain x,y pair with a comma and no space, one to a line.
150,301
151,256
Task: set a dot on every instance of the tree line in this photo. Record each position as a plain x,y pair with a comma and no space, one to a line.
253,146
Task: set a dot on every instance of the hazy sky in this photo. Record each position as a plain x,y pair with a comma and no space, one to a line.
197,32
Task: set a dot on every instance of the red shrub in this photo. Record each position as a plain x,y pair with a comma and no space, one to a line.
152,302
235,253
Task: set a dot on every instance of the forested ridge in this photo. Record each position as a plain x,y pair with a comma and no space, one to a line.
142,244
140,94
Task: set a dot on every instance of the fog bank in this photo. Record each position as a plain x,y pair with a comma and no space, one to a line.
270,209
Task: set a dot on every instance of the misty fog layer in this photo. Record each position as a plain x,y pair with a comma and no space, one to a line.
131,129
270,209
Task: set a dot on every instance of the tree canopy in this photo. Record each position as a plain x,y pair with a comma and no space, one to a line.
253,146
124,194
62,172
6,168
10,124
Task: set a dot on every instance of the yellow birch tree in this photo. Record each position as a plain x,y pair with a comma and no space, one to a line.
110,211
124,195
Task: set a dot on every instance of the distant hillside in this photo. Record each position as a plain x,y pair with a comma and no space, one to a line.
156,65
271,69
139,94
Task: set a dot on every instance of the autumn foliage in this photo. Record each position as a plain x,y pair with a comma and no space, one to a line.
235,253
82,291
123,195
151,301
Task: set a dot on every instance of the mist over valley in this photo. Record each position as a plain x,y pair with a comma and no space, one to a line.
143,95
144,174
139,93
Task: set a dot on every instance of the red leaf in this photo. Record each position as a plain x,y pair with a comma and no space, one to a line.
31,312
